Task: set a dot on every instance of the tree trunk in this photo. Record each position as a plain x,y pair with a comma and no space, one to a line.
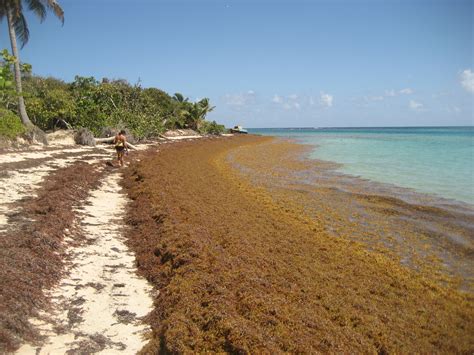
21,102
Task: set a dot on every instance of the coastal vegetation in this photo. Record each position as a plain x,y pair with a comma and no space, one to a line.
10,125
98,105
95,105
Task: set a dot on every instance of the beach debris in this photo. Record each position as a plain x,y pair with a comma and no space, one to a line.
110,140
35,135
247,269
84,137
180,134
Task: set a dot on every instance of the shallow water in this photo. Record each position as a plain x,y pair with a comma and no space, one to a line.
434,160
422,230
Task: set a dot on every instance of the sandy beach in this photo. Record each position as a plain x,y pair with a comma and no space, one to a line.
221,248
242,177
68,281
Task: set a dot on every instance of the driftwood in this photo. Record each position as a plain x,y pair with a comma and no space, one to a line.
104,140
111,139
62,123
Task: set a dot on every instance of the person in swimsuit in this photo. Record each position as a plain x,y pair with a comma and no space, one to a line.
120,142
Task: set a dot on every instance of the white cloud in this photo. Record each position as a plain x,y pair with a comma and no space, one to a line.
440,94
287,102
302,102
406,91
277,99
326,99
240,99
373,98
417,106
393,93
453,109
291,105
467,80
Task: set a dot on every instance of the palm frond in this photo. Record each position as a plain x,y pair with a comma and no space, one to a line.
3,10
178,97
38,8
58,11
21,29
14,8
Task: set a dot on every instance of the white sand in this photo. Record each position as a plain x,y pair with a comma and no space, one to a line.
13,157
23,183
17,184
61,138
102,282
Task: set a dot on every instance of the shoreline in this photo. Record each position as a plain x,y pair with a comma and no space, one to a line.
416,230
433,162
242,269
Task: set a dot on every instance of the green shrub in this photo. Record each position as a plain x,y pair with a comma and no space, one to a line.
54,105
10,124
211,128
47,101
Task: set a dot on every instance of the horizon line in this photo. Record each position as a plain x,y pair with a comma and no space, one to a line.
355,127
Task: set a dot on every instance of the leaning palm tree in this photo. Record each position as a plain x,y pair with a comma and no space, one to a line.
198,112
17,26
205,107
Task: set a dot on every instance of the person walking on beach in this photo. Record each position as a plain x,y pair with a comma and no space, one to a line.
120,142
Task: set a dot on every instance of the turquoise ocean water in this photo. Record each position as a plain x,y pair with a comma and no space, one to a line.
433,160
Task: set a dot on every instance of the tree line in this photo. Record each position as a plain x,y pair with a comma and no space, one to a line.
86,102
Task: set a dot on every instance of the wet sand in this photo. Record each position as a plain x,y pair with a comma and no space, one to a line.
249,258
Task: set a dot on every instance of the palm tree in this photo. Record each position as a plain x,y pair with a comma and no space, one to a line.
179,98
17,26
198,112
205,107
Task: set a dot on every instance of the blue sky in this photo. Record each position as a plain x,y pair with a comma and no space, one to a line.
275,63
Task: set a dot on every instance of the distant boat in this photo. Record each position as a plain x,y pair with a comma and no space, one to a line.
238,129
